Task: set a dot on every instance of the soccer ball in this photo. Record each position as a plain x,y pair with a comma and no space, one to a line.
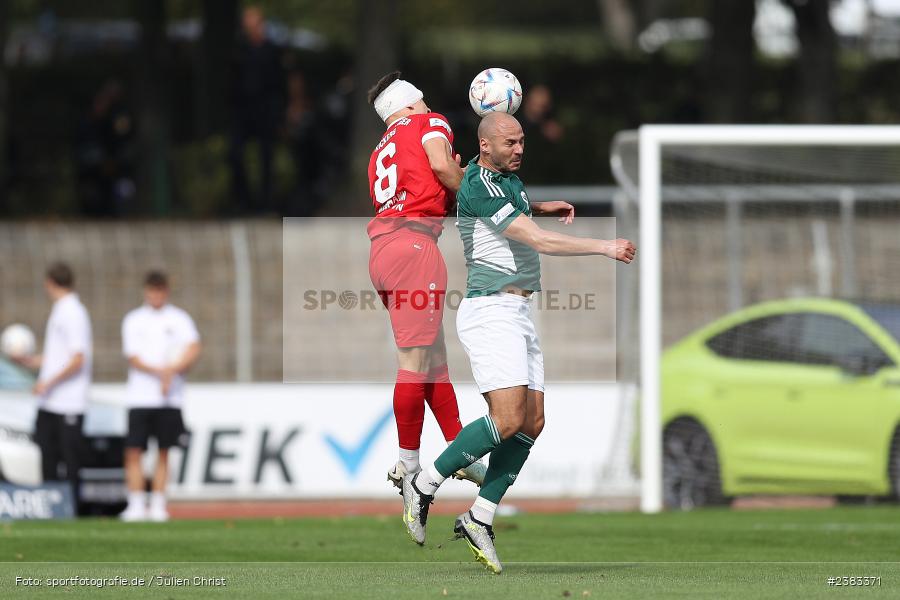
495,90
17,341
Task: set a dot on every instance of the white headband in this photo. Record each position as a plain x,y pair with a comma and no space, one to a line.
396,96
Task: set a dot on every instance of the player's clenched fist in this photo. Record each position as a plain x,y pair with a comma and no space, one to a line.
621,249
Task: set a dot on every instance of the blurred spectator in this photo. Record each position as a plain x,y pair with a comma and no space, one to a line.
335,125
303,131
543,134
537,110
161,344
257,102
337,112
104,154
63,380
13,169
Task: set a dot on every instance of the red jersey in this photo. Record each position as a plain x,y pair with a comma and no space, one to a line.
401,182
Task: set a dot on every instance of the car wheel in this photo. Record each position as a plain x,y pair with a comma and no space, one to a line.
894,466
856,500
691,475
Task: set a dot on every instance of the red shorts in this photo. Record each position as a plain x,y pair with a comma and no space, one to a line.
409,273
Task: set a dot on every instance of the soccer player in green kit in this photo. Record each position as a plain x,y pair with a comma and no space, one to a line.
502,246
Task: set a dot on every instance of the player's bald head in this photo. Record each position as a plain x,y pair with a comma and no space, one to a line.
497,123
501,142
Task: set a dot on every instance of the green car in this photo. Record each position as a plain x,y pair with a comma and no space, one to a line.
797,396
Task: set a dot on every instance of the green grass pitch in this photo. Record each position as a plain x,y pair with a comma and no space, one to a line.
702,554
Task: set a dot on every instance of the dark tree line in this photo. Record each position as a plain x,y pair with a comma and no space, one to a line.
731,59
4,106
728,71
731,50
817,61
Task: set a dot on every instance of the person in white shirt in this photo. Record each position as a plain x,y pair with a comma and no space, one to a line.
63,380
161,343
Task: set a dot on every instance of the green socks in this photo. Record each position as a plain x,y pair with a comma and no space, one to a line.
474,441
504,466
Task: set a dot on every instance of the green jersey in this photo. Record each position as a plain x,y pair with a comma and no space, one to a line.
487,202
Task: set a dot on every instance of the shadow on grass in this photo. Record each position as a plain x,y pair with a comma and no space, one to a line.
567,569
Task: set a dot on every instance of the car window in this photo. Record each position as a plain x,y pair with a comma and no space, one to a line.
887,315
831,340
771,338
13,377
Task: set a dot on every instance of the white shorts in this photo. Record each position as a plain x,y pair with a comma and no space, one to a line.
499,337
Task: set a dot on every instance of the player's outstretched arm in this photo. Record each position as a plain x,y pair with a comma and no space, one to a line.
443,163
565,210
526,231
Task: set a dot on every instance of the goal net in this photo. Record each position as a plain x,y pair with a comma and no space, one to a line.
762,308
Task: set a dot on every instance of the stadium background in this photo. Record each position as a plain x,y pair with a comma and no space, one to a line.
116,129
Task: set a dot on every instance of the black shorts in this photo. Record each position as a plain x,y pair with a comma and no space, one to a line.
164,424
62,442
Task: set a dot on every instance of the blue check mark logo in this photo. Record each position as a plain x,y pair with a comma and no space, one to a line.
352,456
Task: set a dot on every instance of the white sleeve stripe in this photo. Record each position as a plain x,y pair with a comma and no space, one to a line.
493,188
490,188
434,134
481,177
486,184
496,187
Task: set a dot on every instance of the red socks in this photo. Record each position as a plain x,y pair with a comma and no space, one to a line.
442,399
409,407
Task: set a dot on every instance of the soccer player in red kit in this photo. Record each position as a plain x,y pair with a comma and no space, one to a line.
413,178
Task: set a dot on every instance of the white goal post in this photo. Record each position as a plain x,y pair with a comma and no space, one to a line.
653,139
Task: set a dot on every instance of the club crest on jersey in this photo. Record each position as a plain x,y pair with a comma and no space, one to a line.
527,209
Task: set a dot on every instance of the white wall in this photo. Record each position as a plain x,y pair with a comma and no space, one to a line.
316,423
